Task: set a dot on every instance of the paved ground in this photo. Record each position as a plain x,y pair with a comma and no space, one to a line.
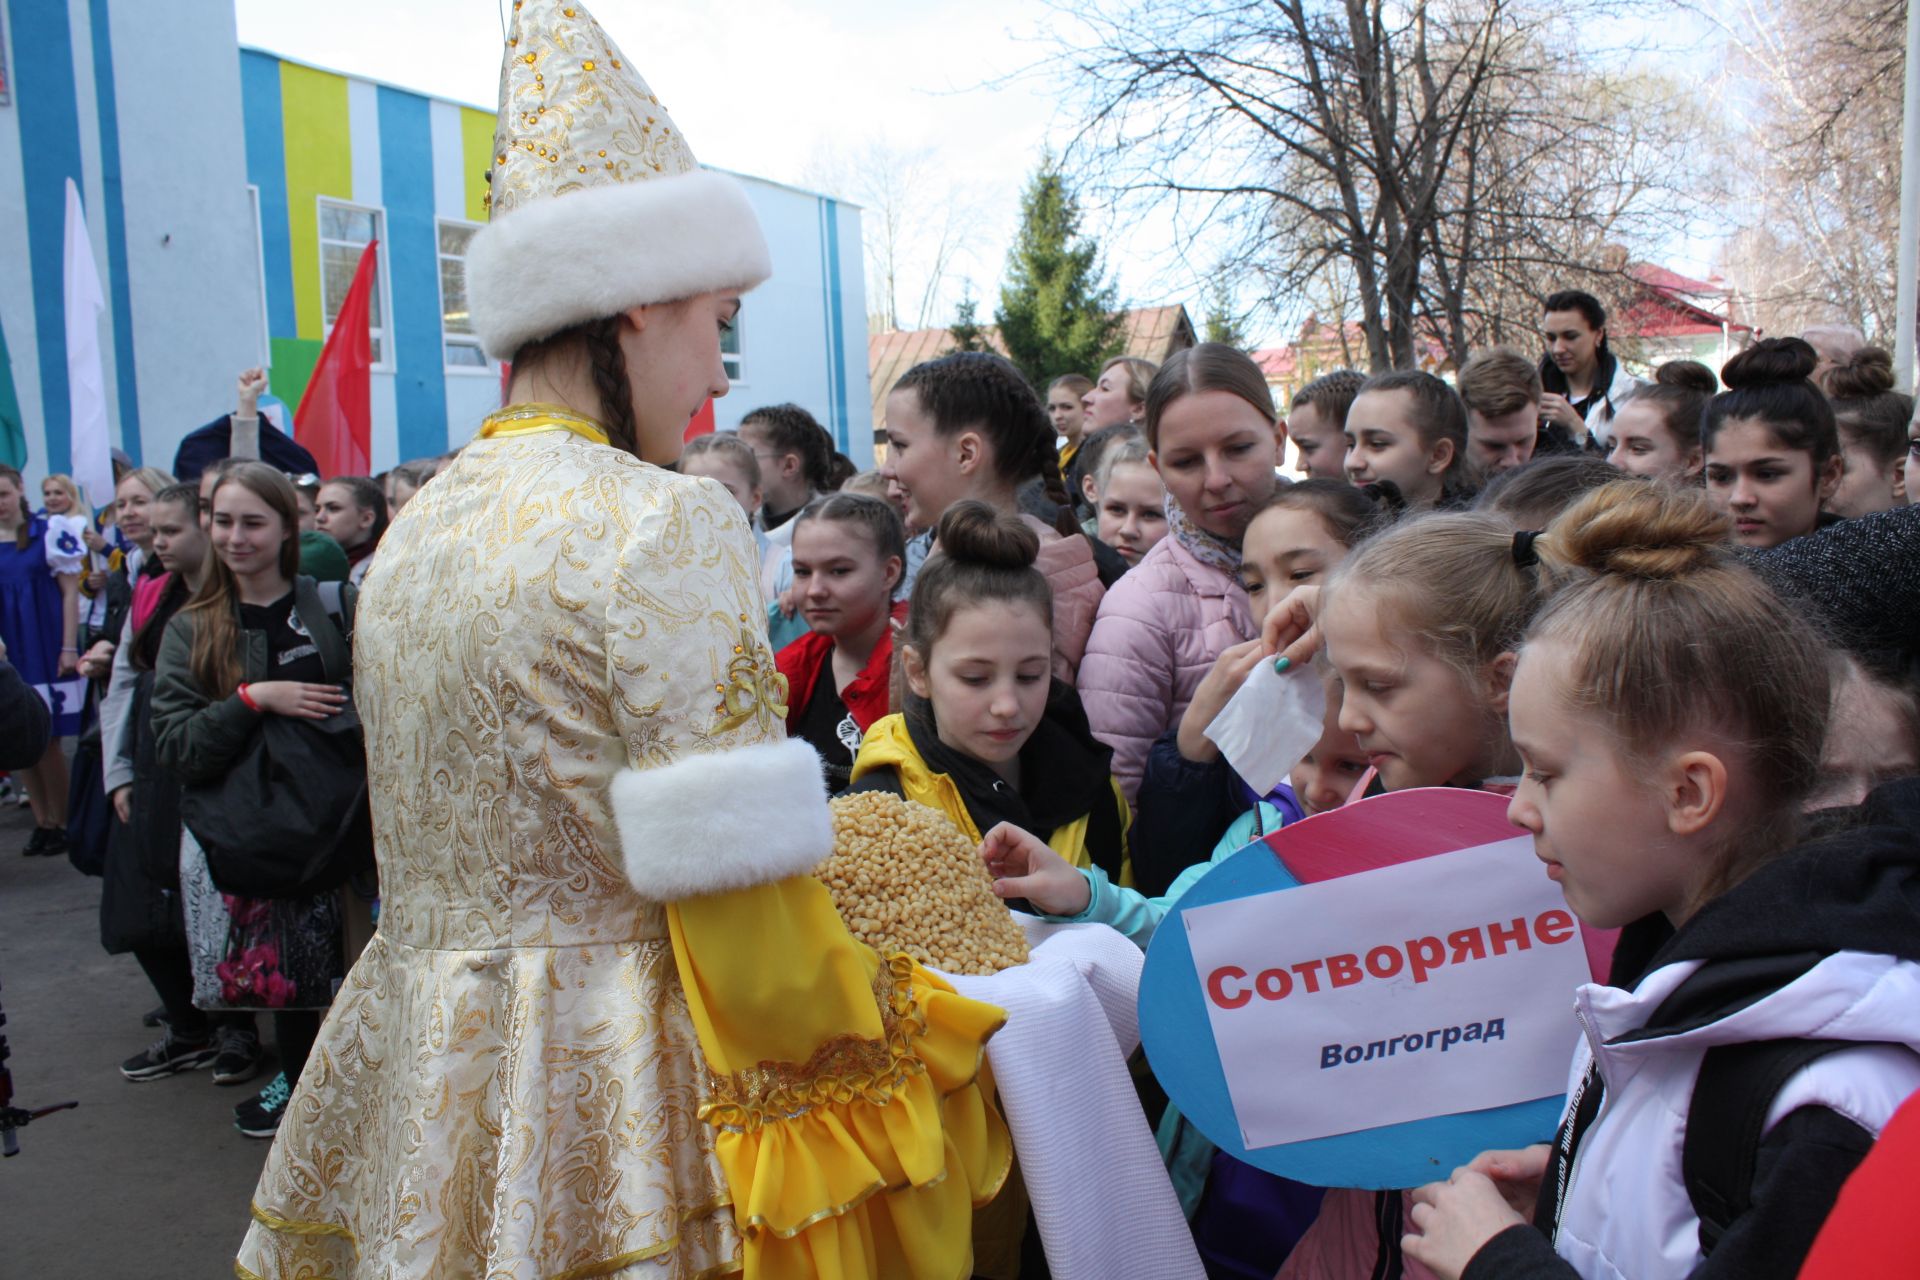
144,1180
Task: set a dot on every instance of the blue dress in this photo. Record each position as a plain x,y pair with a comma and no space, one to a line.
30,604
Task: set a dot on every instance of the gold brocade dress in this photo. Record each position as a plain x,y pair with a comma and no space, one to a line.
514,1082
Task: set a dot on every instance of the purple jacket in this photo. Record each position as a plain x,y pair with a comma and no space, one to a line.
1159,631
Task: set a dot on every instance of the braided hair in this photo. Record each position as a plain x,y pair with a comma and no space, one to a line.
790,429
984,392
598,342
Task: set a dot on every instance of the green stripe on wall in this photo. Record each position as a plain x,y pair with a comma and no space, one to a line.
476,159
293,361
313,111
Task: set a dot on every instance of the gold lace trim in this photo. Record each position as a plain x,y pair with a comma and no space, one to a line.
585,1271
843,1070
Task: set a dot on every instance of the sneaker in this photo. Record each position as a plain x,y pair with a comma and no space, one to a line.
259,1116
167,1056
239,1058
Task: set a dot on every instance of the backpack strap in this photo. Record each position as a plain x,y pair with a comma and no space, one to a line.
339,599
1731,1097
325,625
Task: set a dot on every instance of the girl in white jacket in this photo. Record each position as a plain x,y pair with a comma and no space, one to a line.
1669,712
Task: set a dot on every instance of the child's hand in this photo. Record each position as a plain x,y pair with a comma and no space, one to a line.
1453,1220
1516,1175
1022,866
1292,627
1230,671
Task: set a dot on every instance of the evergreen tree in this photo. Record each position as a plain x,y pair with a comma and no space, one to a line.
1056,316
967,331
1222,324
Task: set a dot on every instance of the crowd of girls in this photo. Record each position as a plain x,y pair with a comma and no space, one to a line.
1631,646
1680,641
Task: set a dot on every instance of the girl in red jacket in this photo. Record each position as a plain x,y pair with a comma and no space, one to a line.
848,550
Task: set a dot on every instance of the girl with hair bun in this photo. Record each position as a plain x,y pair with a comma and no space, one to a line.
1656,430
848,553
989,736
1772,449
1872,419
967,426
1669,710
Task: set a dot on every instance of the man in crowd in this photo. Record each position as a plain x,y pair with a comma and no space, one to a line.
1502,392
1582,382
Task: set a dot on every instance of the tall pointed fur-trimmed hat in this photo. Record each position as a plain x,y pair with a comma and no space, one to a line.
596,202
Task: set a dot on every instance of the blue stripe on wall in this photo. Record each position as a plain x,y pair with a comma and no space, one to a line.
112,206
836,336
267,171
413,270
45,95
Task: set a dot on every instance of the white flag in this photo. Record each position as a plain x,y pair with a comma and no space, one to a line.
87,437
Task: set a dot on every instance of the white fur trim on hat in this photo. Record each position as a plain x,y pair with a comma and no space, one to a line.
724,820
593,253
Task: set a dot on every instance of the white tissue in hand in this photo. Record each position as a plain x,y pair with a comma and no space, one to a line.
1270,725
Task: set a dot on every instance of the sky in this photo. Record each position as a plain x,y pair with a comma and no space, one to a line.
791,90
799,91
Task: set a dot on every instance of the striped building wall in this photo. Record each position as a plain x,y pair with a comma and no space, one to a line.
203,167
314,135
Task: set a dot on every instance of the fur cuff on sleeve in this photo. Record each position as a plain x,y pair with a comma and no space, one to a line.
724,820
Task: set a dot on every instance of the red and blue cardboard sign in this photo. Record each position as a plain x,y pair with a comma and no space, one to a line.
1409,1011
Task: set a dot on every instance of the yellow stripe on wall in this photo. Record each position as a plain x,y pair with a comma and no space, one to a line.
313,112
476,135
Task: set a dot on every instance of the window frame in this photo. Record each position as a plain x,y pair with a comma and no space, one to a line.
486,367
735,362
260,270
385,362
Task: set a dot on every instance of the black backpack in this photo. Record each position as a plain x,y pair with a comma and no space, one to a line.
1731,1097
290,819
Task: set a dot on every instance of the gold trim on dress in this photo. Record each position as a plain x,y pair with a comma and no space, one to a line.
534,418
273,1222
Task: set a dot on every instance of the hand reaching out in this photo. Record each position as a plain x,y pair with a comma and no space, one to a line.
1453,1220
1022,866
1230,671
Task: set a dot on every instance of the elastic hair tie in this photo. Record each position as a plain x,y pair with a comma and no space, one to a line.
1524,556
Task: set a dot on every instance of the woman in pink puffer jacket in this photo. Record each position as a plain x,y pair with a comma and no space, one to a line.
1216,441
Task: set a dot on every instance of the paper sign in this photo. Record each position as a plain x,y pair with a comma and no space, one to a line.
1270,725
1433,987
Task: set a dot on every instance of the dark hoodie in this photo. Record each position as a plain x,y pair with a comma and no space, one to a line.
1065,774
1857,890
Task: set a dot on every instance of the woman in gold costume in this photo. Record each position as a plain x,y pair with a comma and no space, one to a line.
610,1025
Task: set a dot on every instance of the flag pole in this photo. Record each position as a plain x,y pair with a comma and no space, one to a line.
1907,297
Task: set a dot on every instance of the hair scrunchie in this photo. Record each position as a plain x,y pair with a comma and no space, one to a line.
1524,556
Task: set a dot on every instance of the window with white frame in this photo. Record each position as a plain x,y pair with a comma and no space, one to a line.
730,348
260,265
345,232
462,345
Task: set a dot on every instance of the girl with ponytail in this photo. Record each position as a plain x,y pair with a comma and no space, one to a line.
968,426
1669,710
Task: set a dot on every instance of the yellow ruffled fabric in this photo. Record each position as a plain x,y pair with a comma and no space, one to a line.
852,1110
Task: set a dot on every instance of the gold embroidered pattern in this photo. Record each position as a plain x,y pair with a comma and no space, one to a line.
844,1069
509,1082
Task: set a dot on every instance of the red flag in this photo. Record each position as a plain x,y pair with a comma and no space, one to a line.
335,419
702,424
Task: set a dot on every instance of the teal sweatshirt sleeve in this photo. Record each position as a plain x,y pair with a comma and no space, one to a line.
1137,915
